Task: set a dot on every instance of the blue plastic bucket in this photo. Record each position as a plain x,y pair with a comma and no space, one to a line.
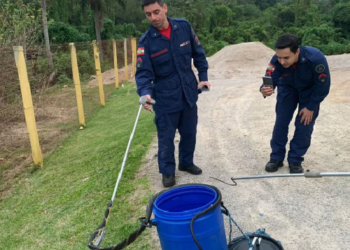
174,210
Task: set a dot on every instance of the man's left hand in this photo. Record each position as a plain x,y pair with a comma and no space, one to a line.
306,116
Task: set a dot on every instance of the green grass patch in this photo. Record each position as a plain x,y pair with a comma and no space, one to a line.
12,158
60,205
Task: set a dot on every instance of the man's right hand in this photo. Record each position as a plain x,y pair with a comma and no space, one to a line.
267,91
148,106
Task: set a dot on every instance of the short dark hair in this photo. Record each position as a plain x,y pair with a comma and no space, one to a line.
148,2
288,41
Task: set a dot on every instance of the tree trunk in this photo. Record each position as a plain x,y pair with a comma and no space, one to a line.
46,34
97,16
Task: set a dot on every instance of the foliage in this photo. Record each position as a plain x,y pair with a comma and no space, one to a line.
222,21
341,17
19,22
214,46
60,32
127,31
63,67
334,48
318,22
321,23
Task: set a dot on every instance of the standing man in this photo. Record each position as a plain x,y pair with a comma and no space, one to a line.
164,73
303,80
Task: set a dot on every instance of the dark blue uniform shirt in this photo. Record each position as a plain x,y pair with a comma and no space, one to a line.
164,67
310,76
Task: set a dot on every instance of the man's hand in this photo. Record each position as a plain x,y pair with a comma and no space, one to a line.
204,83
306,116
148,106
267,91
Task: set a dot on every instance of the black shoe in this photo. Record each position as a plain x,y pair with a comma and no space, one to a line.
295,168
168,181
273,165
192,170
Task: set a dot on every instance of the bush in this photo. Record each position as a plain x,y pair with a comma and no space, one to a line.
63,79
63,67
211,47
126,30
63,33
86,63
108,30
335,48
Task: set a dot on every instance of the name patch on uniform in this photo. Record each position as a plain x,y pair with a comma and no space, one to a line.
141,51
139,62
320,68
184,44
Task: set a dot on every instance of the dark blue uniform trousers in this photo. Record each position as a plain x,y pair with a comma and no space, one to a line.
186,122
287,102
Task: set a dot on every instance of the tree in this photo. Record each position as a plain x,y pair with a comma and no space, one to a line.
19,23
46,34
285,16
221,16
301,7
341,17
98,8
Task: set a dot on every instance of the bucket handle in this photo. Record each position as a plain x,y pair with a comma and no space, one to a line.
215,205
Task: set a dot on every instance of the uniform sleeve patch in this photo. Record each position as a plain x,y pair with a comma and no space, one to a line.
271,68
320,68
322,77
141,51
139,63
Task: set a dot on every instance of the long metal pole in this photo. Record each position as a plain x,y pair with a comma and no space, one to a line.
126,154
306,175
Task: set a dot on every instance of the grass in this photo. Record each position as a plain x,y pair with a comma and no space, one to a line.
16,153
60,205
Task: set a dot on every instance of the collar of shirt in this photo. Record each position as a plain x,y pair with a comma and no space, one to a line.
166,32
155,33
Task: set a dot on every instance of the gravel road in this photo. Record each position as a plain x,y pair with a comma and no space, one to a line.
234,131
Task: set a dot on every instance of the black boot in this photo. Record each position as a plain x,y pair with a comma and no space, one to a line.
168,181
192,170
273,165
295,168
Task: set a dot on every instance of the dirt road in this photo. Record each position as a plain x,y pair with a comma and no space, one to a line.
234,130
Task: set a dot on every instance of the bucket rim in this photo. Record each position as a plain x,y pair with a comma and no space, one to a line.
187,188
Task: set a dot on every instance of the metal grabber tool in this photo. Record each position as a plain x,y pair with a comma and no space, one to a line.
306,175
97,237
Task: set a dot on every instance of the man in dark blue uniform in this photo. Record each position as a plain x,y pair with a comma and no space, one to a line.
164,73
303,80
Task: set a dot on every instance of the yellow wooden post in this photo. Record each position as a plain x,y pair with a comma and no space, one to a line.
76,78
99,73
133,46
126,60
115,55
28,106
